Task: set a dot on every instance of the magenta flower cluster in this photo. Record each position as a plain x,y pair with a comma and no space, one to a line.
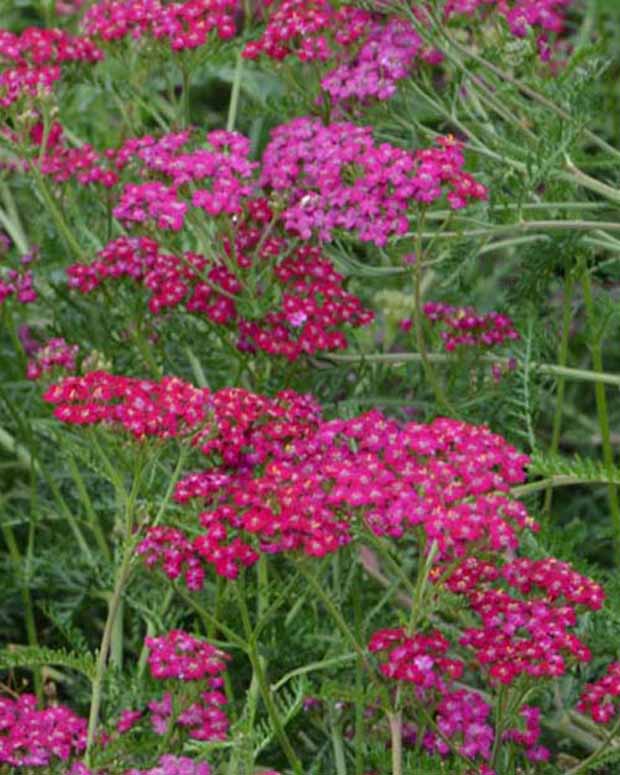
419,660
386,57
179,656
168,765
54,354
335,177
601,699
309,311
32,61
182,656
466,327
30,737
19,283
175,765
181,25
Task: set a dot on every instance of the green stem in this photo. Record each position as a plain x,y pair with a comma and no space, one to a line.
601,408
419,322
56,214
122,576
519,226
234,95
333,610
397,359
560,480
186,77
562,361
31,628
338,746
396,736
358,742
265,690
586,764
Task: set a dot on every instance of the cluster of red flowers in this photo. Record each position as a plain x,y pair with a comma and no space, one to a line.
527,634
180,655
312,30
62,162
335,177
522,637
35,738
32,61
528,737
144,408
600,699
419,659
307,314
372,52
182,25
287,481
56,353
465,327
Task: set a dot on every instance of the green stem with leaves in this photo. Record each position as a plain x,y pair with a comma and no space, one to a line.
265,691
601,408
562,361
122,576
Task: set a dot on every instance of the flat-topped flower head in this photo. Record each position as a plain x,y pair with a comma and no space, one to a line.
31,737
335,177
182,26
182,656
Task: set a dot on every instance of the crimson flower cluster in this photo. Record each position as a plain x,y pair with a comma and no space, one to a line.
35,738
312,30
419,659
56,353
371,52
62,162
529,736
524,634
600,699
181,25
335,177
180,655
310,309
144,408
32,61
183,657
465,327
308,486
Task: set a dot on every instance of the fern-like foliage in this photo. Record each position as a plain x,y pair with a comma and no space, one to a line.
577,469
36,656
289,700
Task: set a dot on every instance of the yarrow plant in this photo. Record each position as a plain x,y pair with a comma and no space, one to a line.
303,308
